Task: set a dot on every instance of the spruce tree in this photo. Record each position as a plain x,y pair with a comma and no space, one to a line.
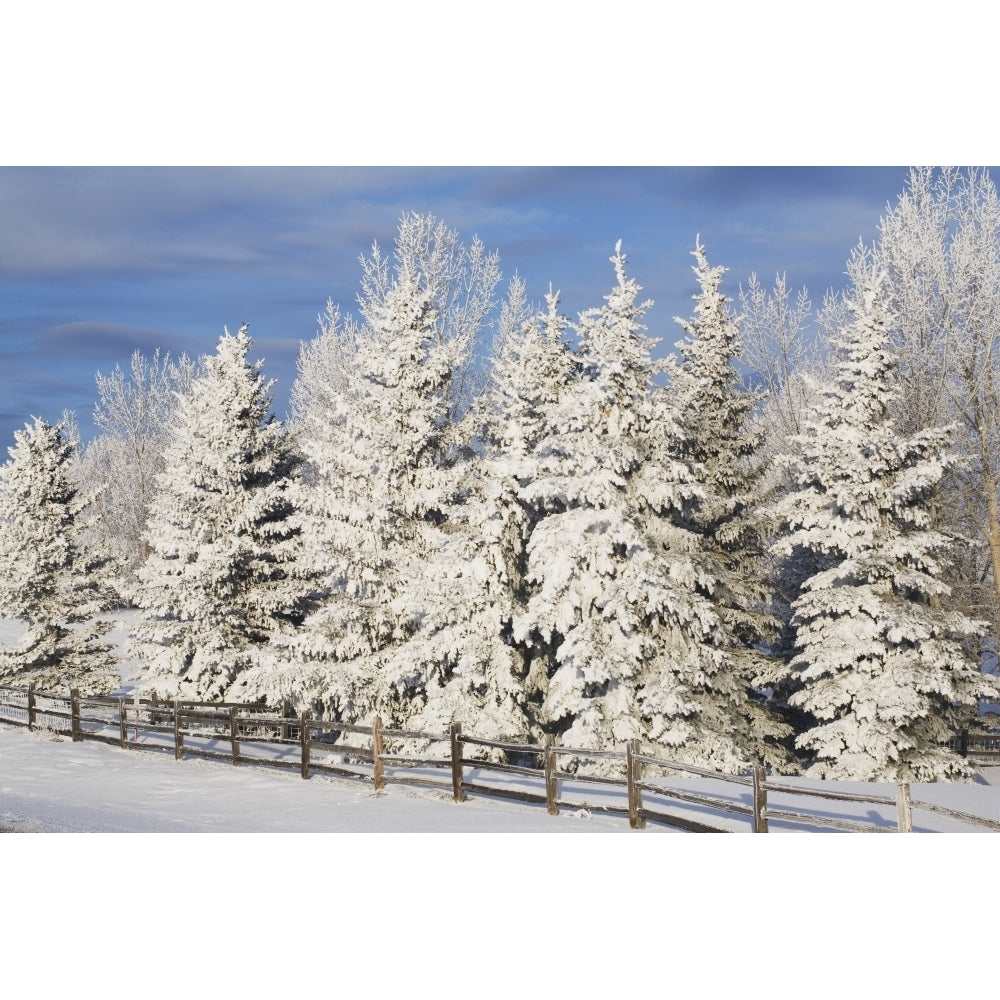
407,626
373,497
887,674
533,369
473,579
222,579
720,445
635,647
48,579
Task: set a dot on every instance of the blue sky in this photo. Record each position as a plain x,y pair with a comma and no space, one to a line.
96,262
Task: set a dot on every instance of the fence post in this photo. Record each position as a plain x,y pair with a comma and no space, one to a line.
31,707
286,709
551,782
633,770
304,741
74,714
456,762
963,743
178,735
234,737
759,799
378,768
123,722
904,811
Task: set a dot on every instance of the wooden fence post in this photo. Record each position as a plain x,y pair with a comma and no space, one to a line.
633,773
759,799
378,767
123,722
74,714
178,735
234,737
31,707
456,762
286,710
551,782
904,812
963,743
304,741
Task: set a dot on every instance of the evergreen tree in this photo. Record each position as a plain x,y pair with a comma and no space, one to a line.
533,369
720,446
343,515
48,579
887,674
394,494
474,670
636,649
376,498
221,581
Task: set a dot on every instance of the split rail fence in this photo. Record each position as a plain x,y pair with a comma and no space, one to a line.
640,787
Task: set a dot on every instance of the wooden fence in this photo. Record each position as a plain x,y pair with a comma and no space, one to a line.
981,747
640,787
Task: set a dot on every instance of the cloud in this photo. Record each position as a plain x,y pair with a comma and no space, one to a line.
146,219
735,187
110,342
98,262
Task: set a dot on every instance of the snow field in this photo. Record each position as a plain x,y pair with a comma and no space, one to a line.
485,885
487,907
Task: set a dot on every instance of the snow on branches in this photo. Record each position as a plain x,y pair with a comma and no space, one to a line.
886,674
48,578
560,541
221,581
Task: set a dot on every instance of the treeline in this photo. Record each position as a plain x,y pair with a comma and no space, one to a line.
770,545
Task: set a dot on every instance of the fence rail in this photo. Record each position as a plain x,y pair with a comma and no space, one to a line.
981,747
638,786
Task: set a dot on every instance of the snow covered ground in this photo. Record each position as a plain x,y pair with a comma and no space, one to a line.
474,900
50,784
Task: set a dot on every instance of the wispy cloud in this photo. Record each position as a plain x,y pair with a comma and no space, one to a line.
108,342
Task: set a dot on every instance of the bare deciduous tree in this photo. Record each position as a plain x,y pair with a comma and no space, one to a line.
940,248
132,413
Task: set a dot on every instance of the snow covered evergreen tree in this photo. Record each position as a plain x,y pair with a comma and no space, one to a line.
221,581
374,496
636,649
341,513
720,445
474,670
470,582
886,673
48,579
407,627
533,369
